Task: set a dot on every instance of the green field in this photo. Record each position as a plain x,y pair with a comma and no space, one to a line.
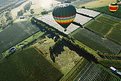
95,26
65,60
108,63
28,65
106,11
102,24
115,35
15,33
78,35
95,42
106,26
115,32
95,72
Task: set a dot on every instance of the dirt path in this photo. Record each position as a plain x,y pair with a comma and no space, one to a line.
98,3
108,32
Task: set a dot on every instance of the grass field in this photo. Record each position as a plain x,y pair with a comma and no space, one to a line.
28,65
108,63
64,61
16,33
106,26
75,70
102,24
105,10
94,72
115,32
111,57
95,42
67,60
115,35
97,3
87,41
25,43
95,26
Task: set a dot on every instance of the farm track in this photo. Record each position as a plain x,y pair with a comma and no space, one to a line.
108,32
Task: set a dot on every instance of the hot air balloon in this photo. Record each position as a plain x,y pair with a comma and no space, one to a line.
64,14
113,7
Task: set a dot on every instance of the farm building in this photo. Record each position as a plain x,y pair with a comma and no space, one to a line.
80,19
91,13
50,21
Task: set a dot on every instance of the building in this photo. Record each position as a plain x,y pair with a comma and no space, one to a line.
80,19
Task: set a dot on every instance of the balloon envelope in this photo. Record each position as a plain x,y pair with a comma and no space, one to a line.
64,14
113,7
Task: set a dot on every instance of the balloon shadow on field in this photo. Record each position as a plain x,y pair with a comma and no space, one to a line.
56,49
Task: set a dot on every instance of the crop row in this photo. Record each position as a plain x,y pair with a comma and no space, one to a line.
94,72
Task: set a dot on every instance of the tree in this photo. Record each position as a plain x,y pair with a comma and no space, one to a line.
8,16
32,11
3,21
27,6
20,13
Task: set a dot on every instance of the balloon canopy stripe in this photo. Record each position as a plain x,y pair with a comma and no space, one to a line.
113,8
64,21
64,18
